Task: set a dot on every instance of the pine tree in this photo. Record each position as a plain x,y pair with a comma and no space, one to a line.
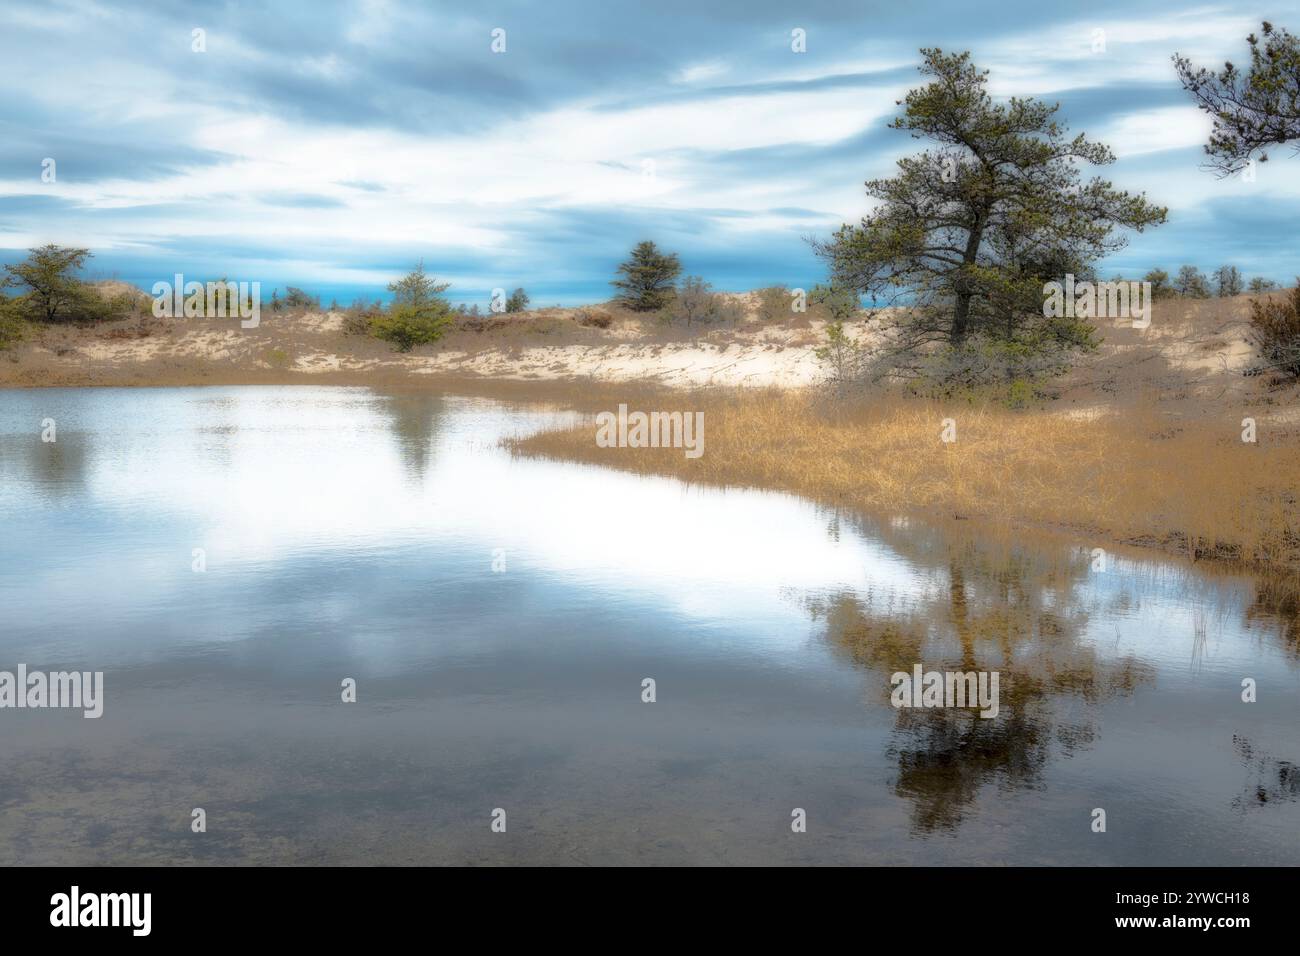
1253,110
648,277
967,234
1227,281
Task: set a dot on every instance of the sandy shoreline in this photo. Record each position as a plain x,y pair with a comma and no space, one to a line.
1164,405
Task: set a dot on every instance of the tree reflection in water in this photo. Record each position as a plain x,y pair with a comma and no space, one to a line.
990,607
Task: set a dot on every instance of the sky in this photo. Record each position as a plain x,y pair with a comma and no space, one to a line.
331,145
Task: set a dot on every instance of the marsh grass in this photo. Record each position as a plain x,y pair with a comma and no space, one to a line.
1189,486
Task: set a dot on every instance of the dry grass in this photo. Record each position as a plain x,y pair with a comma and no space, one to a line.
1193,487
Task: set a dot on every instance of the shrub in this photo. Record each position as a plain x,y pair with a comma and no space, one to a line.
729,310
13,327
1260,284
418,314
844,358
277,358
1275,332
695,303
594,318
984,362
774,303
406,326
99,307
357,318
295,298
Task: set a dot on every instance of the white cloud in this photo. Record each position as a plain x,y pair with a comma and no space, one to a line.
482,191
1150,131
701,71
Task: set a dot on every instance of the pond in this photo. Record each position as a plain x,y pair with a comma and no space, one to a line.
236,561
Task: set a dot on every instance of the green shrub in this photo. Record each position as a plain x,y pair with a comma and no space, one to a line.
406,325
418,314
295,298
1021,393
844,357
13,327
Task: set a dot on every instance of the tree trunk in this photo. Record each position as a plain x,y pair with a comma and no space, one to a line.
961,317
961,314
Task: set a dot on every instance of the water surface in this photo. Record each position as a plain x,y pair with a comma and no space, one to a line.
499,616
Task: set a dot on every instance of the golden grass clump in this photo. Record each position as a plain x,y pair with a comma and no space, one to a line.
1191,486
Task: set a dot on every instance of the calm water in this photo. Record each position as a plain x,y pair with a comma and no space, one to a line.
351,534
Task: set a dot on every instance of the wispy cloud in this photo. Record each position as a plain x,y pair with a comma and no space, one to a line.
332,145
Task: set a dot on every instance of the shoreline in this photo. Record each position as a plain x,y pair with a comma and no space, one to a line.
1139,447
998,515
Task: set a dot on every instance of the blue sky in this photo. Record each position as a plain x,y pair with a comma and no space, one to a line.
330,145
